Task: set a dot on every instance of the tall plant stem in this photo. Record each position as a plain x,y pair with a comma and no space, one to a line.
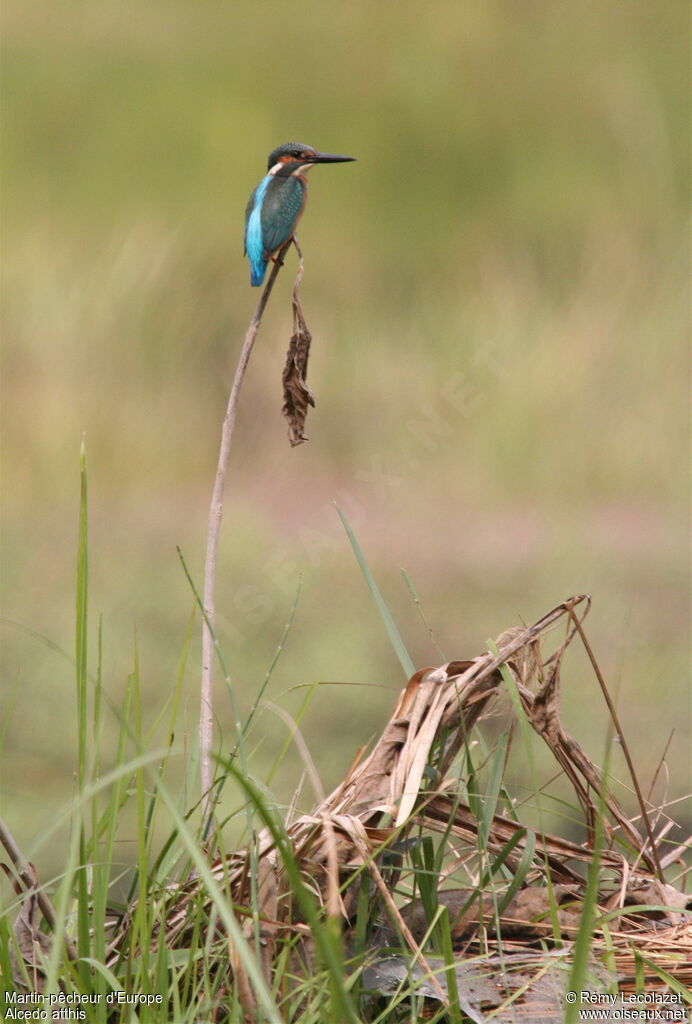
206,713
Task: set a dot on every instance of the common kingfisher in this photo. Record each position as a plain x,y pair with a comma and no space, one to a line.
275,207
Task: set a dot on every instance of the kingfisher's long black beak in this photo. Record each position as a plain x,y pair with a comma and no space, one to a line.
330,158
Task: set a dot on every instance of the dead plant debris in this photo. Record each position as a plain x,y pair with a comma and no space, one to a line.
513,954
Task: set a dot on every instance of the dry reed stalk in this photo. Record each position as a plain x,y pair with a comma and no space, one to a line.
206,714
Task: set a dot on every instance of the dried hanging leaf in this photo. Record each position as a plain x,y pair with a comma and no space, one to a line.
297,395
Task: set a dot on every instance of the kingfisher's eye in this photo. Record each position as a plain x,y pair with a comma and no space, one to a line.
297,154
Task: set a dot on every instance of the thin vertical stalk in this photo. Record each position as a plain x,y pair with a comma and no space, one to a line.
206,714
82,679
81,623
651,855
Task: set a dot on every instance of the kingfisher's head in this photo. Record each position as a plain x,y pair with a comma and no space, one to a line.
295,157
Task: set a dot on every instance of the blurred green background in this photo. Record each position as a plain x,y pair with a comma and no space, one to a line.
498,294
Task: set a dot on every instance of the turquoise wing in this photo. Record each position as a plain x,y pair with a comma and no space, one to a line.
281,207
248,210
254,244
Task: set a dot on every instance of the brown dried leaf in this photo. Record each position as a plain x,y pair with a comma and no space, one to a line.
32,943
297,395
527,915
650,892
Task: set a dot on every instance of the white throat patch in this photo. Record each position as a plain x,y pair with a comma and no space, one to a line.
299,170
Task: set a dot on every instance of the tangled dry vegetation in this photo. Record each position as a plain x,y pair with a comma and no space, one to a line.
512,940
379,861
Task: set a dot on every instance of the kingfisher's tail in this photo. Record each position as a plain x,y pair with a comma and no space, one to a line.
257,272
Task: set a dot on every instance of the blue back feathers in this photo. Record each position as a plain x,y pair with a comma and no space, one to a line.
254,246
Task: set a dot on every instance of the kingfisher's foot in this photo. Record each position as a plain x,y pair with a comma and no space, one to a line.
277,255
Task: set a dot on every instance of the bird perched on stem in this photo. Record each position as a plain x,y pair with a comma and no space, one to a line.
275,207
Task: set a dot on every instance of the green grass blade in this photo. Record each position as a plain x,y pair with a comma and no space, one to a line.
81,621
389,624
668,979
5,944
273,663
419,608
524,867
82,679
582,945
444,930
489,802
105,973
426,880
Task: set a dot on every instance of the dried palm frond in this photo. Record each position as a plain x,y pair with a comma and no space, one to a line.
405,787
